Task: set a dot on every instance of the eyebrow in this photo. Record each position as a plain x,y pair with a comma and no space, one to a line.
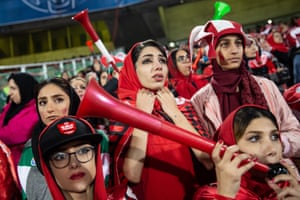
151,55
53,96
147,55
75,146
228,39
261,132
254,132
183,55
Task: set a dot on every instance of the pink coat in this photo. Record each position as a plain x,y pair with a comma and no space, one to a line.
19,129
207,106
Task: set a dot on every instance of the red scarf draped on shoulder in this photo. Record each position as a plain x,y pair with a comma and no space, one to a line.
235,87
129,83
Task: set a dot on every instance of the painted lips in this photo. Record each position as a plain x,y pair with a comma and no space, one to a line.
77,176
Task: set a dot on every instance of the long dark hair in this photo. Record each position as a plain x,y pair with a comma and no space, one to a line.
74,104
66,87
244,117
147,43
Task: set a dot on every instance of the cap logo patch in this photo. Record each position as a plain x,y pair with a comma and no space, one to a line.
67,128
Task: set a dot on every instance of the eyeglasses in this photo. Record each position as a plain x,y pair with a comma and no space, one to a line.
62,159
183,58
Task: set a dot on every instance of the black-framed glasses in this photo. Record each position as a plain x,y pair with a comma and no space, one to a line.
183,58
62,159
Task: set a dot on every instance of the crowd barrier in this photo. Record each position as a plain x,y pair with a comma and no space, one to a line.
43,71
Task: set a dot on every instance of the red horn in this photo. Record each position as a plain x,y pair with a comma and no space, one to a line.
83,18
98,103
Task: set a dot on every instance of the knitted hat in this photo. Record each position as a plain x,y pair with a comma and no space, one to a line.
64,130
220,28
213,30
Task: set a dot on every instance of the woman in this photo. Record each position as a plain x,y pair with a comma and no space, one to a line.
254,131
103,78
278,48
71,177
155,167
232,86
181,76
19,116
281,51
258,64
65,75
79,85
264,64
55,98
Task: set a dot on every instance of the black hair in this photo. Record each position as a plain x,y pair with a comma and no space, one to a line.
173,56
147,43
293,21
26,84
66,87
74,104
245,116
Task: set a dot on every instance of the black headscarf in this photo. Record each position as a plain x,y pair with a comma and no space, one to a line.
26,84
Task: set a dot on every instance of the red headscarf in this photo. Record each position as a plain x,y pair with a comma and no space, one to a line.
185,86
175,73
276,46
249,181
56,192
160,151
129,83
225,132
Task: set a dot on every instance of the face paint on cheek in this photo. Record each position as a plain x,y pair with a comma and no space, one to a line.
222,59
258,60
65,111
